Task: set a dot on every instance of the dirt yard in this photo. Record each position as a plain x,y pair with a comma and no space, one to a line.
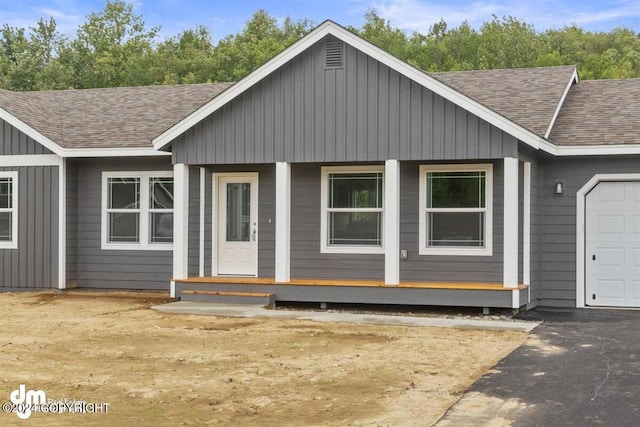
165,369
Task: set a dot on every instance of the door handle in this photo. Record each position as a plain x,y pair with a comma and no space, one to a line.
254,234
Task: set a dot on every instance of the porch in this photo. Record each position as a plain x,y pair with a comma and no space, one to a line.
462,294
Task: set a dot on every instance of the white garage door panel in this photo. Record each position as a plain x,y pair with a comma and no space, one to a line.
612,245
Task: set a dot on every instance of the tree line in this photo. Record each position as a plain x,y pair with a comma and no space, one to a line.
114,47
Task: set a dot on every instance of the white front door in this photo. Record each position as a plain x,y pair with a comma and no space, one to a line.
612,245
237,224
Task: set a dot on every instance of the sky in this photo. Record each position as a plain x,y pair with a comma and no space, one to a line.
229,17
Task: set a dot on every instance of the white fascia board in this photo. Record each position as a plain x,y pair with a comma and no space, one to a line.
30,160
597,150
331,28
574,79
112,152
29,131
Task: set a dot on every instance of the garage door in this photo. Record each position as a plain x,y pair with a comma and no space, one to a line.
612,250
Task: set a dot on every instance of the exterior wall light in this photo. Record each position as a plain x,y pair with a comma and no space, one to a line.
559,187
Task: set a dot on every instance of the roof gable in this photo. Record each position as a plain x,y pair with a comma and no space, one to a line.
330,28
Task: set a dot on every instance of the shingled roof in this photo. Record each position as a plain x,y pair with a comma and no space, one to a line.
600,112
526,96
128,117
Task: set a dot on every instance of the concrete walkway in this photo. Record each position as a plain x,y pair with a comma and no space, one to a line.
253,311
578,368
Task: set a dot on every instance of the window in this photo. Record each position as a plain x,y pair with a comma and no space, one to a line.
456,210
137,210
8,210
352,209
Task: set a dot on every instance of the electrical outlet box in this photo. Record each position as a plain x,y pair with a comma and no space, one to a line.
404,254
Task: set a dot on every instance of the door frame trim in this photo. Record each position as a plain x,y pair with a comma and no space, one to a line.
581,199
215,219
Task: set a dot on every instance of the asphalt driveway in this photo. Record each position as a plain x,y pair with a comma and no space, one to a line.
579,367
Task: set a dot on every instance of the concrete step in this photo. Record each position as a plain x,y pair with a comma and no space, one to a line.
266,299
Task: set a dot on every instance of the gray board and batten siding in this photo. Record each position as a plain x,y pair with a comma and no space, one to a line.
15,142
362,111
34,264
558,273
114,269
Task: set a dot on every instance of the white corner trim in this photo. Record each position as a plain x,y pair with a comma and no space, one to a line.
325,248
510,246
30,160
172,289
422,202
62,225
526,224
203,182
515,298
572,81
15,206
331,28
581,197
283,222
180,221
391,220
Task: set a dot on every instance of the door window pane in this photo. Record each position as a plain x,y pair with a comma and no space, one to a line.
238,212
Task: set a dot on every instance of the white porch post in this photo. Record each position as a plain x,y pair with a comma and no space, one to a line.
180,223
283,222
203,173
510,255
526,225
62,224
391,220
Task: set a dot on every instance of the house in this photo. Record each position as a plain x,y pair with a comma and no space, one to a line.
333,173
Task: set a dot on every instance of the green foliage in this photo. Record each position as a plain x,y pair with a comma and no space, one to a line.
114,47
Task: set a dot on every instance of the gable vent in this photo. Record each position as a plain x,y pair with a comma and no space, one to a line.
334,54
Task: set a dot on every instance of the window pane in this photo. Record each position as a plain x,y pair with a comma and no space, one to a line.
355,228
124,193
238,212
455,229
355,190
455,189
5,226
5,193
161,193
161,227
123,227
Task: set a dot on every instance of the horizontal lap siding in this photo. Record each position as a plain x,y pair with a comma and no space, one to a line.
446,268
559,220
365,111
15,142
194,222
115,269
35,263
306,259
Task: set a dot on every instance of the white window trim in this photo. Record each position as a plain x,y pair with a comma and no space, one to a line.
488,226
144,210
325,248
13,243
